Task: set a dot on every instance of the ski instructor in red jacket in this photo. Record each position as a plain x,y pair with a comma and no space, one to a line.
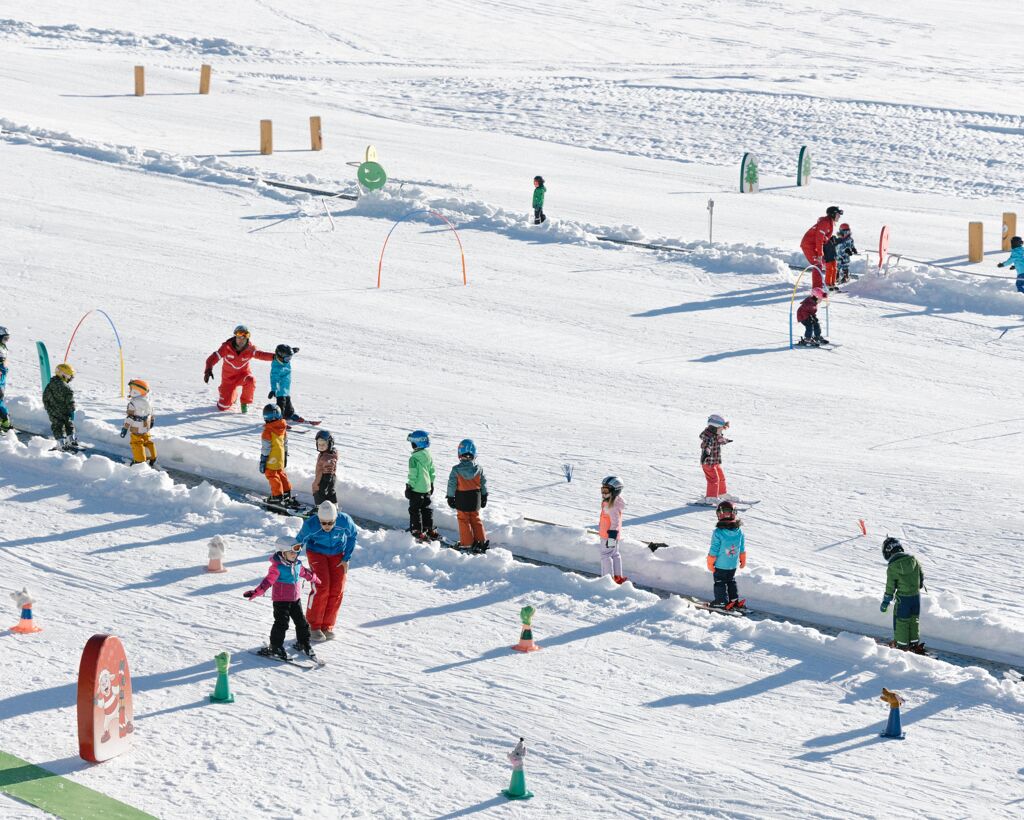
236,352
813,243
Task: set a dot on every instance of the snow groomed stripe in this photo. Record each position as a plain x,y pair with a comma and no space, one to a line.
59,796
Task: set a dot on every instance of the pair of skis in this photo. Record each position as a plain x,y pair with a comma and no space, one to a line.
292,660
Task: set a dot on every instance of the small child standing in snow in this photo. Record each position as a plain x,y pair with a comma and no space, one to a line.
538,200
284,577
1016,261
281,382
610,527
59,401
728,551
807,315
419,486
326,468
844,250
138,422
828,251
274,457
904,580
711,441
467,494
5,417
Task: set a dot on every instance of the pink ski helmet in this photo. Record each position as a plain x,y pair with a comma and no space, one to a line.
818,293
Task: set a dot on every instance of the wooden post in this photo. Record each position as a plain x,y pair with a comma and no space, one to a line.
975,243
204,79
316,141
140,81
1009,228
266,137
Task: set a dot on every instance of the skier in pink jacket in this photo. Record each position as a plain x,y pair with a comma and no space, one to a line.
284,579
612,507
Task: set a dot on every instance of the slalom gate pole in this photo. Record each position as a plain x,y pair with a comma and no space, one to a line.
117,338
462,253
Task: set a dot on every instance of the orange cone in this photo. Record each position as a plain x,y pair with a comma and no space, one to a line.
216,555
25,626
526,643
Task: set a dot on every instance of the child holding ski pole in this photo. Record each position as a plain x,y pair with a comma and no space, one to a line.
711,442
610,528
284,578
138,422
728,551
467,494
1016,261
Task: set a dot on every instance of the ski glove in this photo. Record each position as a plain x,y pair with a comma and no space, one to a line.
207,376
249,593
613,535
451,501
124,432
711,563
263,464
431,488
295,350
743,560
1001,265
408,491
483,501
885,603
270,395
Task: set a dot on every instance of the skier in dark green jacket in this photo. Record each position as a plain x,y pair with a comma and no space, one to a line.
59,401
538,200
904,580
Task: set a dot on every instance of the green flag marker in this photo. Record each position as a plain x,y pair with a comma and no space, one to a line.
371,175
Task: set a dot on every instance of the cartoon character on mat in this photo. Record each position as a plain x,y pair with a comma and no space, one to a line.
110,699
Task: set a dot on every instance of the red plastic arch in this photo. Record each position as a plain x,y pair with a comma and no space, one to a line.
462,255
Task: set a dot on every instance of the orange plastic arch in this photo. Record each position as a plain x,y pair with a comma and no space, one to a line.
462,254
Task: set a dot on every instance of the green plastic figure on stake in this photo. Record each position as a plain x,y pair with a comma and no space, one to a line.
517,787
222,691
526,643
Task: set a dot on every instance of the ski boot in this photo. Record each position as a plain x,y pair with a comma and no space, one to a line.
718,605
245,407
821,340
432,535
480,546
290,501
329,635
152,462
917,648
307,650
5,426
274,652
739,605
619,579
274,500
805,342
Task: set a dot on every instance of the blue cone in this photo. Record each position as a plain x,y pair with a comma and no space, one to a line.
893,729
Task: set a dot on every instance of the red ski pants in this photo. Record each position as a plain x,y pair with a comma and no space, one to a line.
830,274
816,263
325,600
716,479
279,483
471,528
230,383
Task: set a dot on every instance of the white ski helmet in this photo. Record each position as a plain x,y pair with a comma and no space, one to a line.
716,420
327,512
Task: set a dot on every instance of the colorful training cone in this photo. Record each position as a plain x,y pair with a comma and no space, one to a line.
893,729
526,643
216,547
26,626
517,788
222,691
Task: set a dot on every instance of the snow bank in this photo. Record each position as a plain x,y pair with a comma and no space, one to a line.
781,590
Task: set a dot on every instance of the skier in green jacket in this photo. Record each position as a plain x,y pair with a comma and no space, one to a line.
59,401
419,486
538,200
904,580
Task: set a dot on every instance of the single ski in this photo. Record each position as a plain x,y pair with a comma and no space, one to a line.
301,511
265,652
923,650
300,420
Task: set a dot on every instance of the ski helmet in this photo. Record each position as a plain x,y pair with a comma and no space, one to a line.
4,335
242,330
326,438
327,512
833,212
716,420
613,484
420,439
844,228
140,385
284,353
818,293
65,371
467,448
890,547
271,412
725,511
1015,242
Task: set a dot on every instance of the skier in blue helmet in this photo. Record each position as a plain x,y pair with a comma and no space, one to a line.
466,494
419,487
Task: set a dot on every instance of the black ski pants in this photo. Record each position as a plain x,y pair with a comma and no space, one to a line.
325,491
812,328
283,611
287,410
538,216
421,515
725,586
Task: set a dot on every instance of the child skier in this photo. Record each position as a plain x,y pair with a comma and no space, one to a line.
329,538
807,315
281,382
728,551
59,401
844,250
828,254
419,486
1016,261
711,441
5,417
610,527
326,467
467,494
904,580
139,422
274,458
538,200
284,576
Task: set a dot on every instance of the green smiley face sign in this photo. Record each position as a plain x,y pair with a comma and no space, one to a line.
371,175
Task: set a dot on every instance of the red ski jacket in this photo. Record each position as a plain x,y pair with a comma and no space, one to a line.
237,360
808,308
817,235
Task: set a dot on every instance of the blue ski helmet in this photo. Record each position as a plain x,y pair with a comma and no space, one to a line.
284,353
420,439
467,448
326,438
271,412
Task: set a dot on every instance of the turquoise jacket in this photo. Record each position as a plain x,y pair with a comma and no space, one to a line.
1017,260
726,547
281,377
